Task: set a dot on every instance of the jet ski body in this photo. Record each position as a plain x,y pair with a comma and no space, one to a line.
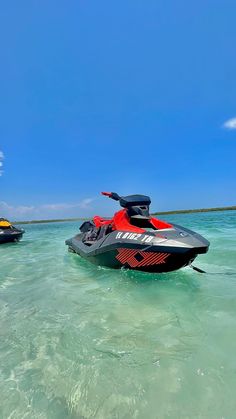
9,233
135,240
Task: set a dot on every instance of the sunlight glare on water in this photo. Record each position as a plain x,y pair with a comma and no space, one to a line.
80,341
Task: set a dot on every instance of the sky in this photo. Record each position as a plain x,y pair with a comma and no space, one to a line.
130,96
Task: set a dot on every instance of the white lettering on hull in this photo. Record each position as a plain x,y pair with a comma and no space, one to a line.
145,238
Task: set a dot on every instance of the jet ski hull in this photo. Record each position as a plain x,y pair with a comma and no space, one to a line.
11,235
110,259
159,254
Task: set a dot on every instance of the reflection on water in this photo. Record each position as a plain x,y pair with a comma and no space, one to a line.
80,341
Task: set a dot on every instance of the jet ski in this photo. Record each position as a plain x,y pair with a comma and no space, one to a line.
9,233
133,239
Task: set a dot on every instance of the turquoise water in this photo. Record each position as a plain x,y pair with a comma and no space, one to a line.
82,342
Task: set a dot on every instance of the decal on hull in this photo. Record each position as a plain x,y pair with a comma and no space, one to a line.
136,258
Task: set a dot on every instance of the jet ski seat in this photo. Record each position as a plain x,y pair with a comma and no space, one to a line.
93,233
99,221
5,224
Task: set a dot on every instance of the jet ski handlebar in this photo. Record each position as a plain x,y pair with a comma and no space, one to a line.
112,195
129,201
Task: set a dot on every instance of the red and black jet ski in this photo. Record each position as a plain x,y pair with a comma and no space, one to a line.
9,233
135,240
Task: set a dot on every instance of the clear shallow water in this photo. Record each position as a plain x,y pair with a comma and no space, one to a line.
77,341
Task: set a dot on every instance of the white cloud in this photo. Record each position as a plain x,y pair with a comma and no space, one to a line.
10,211
57,207
230,124
86,203
61,210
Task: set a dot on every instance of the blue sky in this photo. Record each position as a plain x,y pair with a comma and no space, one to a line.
128,96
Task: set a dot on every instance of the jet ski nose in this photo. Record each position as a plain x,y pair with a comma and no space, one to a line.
194,240
183,239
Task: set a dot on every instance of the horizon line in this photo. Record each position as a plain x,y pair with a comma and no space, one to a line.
184,211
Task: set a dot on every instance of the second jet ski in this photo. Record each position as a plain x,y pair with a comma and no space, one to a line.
9,233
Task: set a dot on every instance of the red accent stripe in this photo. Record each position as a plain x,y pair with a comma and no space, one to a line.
147,259
124,257
125,254
155,258
151,260
159,258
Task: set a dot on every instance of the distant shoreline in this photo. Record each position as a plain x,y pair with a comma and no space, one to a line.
189,211
58,220
196,210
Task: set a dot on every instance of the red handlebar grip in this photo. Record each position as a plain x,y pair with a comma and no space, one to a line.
106,193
